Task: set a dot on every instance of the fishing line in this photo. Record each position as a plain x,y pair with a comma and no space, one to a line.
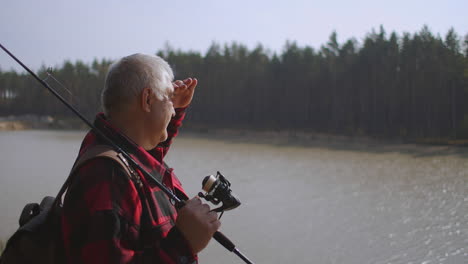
82,105
55,79
73,99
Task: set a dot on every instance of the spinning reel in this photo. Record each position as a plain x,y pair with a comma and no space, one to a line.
218,190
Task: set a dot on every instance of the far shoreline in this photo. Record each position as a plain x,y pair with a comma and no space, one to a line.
255,136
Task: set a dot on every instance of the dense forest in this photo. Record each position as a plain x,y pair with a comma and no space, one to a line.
410,85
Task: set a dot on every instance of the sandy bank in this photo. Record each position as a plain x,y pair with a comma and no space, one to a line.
24,122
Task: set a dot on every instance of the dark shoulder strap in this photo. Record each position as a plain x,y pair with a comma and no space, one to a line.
104,151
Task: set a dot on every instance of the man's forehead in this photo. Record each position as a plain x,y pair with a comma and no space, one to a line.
168,81
169,89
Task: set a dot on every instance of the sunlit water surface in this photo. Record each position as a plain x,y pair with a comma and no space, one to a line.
317,204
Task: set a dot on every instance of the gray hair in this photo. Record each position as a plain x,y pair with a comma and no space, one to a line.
128,76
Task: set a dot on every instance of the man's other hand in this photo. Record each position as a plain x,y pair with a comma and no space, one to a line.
197,223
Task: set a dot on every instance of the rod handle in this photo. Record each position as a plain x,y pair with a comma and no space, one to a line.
218,236
223,240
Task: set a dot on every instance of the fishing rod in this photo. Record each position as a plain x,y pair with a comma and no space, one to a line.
218,236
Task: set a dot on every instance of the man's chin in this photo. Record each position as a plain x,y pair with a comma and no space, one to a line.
163,137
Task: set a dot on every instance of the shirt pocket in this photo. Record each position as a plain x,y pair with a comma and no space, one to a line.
158,232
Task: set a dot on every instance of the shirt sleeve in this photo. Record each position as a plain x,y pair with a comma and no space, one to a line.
172,130
101,221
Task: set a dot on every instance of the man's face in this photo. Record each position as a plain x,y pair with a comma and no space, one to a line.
161,113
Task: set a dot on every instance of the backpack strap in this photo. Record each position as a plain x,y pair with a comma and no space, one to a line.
103,151
93,152
108,152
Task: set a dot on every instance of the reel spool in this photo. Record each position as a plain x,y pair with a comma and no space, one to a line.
217,190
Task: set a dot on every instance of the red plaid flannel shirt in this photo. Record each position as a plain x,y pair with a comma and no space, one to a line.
105,221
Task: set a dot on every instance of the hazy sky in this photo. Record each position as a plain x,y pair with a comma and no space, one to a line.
50,31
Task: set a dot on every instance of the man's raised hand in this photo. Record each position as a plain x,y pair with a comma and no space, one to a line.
183,92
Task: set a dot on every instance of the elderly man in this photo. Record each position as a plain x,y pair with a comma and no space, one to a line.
107,218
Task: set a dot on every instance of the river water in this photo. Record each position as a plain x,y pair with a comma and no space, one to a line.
324,203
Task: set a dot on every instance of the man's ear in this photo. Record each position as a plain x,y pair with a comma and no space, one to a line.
146,99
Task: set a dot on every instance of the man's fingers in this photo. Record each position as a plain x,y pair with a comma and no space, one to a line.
188,81
204,208
178,85
193,203
195,200
216,224
193,84
212,216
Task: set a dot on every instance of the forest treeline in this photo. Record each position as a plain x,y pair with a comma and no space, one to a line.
413,85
